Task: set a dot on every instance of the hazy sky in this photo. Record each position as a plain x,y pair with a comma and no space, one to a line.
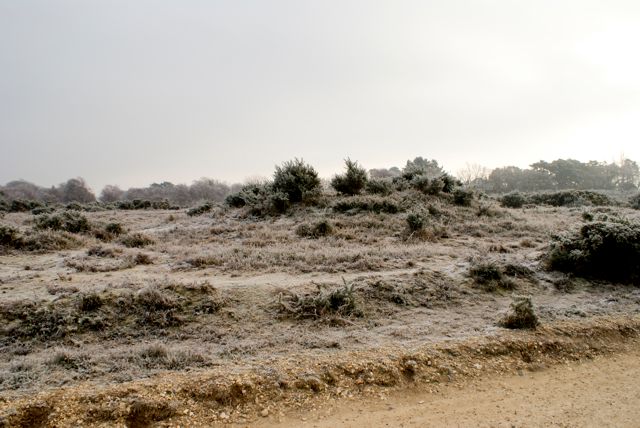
132,92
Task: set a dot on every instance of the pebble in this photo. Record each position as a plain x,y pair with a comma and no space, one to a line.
264,413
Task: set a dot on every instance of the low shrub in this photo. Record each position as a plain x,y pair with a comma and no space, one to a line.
522,316
353,181
318,230
491,277
10,237
570,198
416,221
144,204
635,202
136,240
68,221
379,186
357,204
108,232
24,205
114,228
462,197
199,210
261,199
605,250
426,185
513,200
42,210
339,301
50,240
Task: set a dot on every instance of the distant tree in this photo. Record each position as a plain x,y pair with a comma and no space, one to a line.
394,171
423,167
209,190
473,174
76,190
111,193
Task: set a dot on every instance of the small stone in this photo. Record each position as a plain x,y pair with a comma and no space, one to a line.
264,413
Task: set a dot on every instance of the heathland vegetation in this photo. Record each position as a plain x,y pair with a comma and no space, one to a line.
237,296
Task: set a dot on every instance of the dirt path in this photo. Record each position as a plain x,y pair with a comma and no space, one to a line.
598,393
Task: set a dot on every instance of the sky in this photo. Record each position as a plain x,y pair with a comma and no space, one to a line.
133,92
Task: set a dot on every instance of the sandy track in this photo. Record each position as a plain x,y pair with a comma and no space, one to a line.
598,393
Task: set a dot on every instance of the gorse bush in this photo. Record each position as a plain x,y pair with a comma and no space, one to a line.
570,198
353,181
605,250
416,221
22,205
513,200
635,202
462,197
379,186
199,210
296,179
370,204
429,186
261,199
10,237
68,221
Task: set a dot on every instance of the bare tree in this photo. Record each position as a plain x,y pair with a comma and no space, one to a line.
473,173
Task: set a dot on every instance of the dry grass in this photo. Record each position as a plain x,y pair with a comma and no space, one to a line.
111,312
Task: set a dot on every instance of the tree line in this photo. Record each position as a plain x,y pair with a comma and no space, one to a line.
559,174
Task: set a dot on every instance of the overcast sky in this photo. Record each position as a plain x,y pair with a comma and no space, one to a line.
132,92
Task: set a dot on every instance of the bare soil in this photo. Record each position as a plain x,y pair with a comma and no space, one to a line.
602,392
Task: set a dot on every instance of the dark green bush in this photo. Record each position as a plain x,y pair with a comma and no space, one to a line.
49,240
68,221
379,186
570,198
114,228
491,277
353,181
357,204
522,315
296,179
199,210
416,221
143,204
462,197
513,200
235,200
136,240
42,210
635,202
604,250
23,205
429,186
261,199
10,237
